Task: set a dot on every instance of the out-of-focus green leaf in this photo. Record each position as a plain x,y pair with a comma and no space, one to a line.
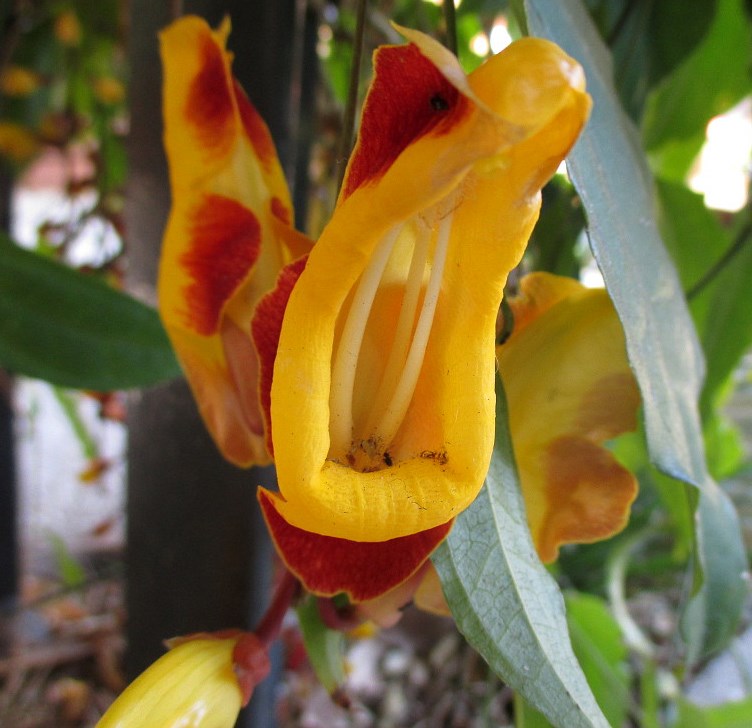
713,78
728,715
72,574
505,602
68,405
713,613
645,43
554,238
598,645
325,647
609,172
73,330
721,310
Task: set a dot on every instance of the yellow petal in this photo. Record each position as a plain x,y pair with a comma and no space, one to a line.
228,235
445,177
192,686
569,389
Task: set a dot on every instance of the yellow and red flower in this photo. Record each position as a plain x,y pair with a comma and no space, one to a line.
382,392
229,233
365,365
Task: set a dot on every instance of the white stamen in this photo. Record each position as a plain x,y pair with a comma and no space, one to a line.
404,330
403,393
348,351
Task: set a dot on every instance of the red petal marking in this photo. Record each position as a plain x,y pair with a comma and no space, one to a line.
223,247
255,128
209,106
409,97
265,329
281,211
329,566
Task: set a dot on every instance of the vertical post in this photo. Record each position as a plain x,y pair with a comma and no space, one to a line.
198,556
8,526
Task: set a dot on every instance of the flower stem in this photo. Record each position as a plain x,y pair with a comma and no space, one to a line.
741,240
270,624
348,121
450,20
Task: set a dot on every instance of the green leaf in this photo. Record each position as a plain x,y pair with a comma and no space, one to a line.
713,613
600,650
73,330
645,44
714,77
72,574
504,601
609,172
728,715
325,647
721,310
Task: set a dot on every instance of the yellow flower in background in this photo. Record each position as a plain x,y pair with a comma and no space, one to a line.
68,28
17,142
19,81
202,682
109,90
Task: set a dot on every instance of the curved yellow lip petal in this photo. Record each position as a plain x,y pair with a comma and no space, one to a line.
383,387
569,389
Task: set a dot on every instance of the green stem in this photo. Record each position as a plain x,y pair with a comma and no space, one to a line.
450,20
83,435
741,240
348,122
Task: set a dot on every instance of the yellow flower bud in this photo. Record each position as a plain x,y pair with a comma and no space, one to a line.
192,686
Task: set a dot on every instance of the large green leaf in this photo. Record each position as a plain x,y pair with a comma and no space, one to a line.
609,172
73,330
505,602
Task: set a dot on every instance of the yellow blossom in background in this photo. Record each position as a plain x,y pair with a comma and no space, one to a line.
19,81
17,142
109,90
68,28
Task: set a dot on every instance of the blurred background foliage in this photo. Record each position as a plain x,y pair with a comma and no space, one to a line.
682,73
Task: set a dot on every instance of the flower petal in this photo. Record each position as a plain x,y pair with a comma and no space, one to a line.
470,162
229,233
569,389
192,685
327,566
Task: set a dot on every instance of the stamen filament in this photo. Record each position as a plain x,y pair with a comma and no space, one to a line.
403,393
404,330
348,351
